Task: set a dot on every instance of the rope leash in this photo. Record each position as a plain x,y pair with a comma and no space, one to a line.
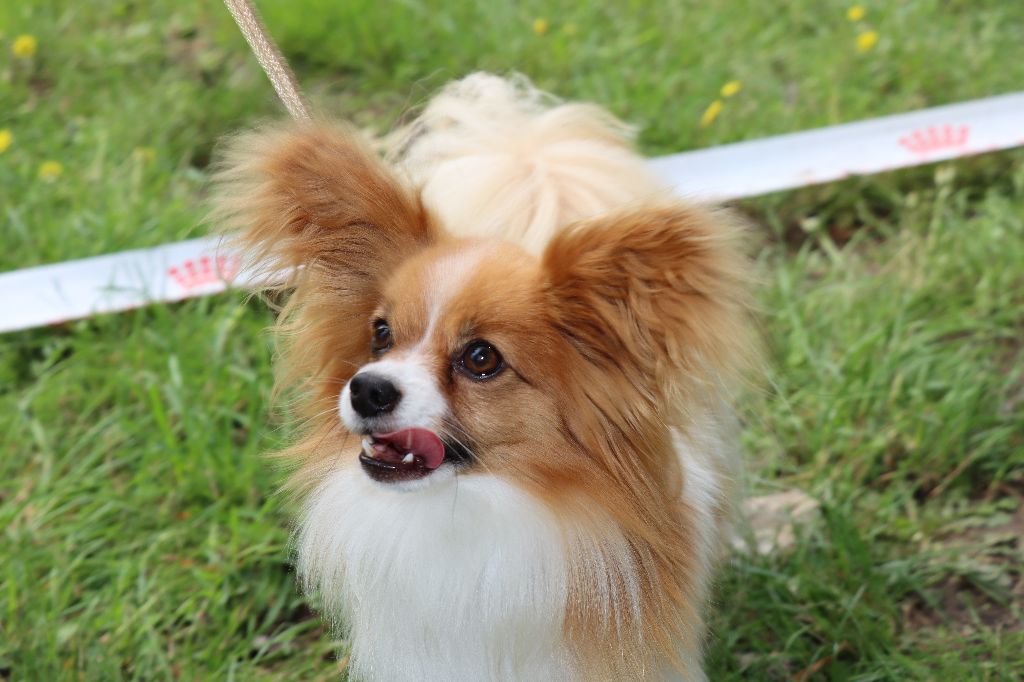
269,57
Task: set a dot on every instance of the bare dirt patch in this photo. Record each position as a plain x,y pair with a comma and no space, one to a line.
990,595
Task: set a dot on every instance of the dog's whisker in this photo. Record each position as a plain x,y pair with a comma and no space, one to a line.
450,424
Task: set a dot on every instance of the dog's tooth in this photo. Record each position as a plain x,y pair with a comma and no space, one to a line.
409,458
368,447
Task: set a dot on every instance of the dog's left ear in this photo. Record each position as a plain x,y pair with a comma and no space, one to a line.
656,297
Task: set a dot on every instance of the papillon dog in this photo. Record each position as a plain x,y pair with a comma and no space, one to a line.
518,354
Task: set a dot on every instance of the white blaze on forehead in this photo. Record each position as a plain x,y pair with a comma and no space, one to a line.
445,278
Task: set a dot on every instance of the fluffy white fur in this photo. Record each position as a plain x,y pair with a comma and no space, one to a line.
708,453
497,157
464,580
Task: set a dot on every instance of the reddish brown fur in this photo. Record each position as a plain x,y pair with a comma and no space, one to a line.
313,200
654,303
624,322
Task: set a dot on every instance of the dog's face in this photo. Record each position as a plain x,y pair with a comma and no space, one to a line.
460,350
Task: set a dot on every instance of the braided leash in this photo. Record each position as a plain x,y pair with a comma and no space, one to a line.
269,57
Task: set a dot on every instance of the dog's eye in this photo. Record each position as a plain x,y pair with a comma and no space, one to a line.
481,360
381,338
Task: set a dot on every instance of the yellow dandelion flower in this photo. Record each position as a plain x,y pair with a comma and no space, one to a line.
50,170
5,140
24,46
856,13
143,154
866,41
731,88
711,113
540,26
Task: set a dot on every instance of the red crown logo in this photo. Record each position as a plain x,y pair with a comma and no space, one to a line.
935,138
193,274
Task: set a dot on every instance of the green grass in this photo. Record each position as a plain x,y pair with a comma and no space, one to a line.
143,538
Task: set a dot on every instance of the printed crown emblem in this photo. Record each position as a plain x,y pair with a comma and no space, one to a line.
192,274
935,138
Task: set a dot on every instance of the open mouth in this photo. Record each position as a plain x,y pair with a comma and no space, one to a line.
403,455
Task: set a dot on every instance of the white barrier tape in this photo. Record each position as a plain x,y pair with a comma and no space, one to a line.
867,147
51,294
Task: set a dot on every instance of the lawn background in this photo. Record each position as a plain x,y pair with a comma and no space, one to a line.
143,538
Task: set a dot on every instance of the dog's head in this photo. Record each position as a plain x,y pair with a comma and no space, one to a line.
426,354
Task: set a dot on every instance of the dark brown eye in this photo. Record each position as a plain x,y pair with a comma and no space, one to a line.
380,340
481,360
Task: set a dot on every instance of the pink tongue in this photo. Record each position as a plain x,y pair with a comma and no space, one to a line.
422,443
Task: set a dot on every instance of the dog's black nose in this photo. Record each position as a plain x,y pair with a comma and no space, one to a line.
373,395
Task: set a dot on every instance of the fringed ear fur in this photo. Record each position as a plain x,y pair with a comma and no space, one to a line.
314,202
655,304
658,296
301,194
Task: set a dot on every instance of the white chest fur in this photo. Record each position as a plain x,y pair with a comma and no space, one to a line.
463,580
466,578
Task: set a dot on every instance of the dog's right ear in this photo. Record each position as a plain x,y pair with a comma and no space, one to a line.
315,196
312,208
